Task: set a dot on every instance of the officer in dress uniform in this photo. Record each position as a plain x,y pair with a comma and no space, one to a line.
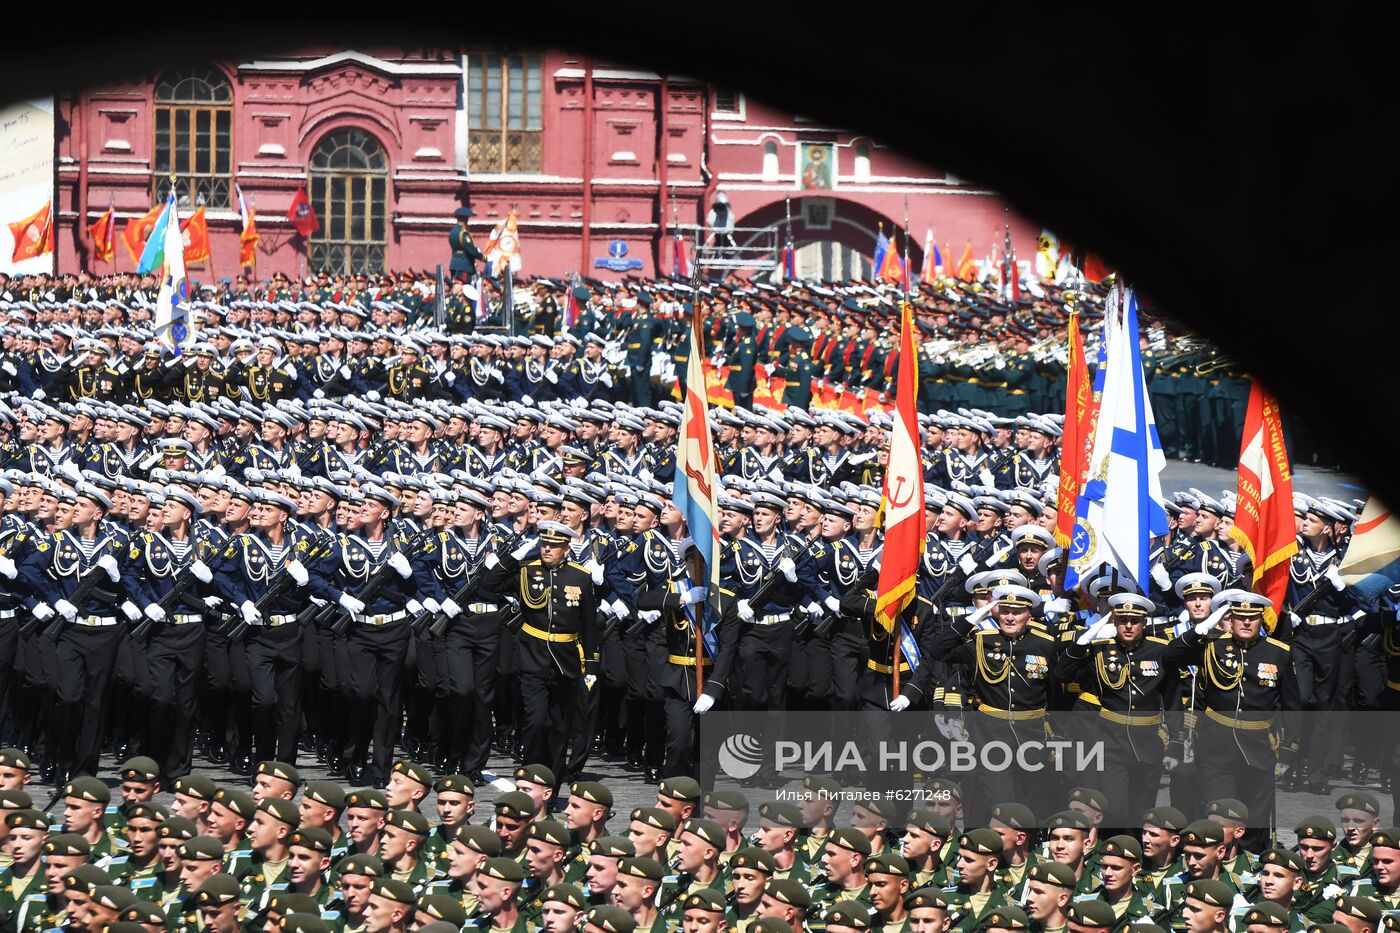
1247,678
465,255
558,642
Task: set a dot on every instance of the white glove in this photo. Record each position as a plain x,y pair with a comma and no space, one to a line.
43,612
129,610
491,562
432,605
201,572
250,612
606,608
978,615
9,367
450,607
648,615
985,475
7,567
297,572
1212,622
213,602
496,375
1060,605
372,395
413,606
1161,577
400,565
1334,577
527,400
449,377
788,569
1095,631
967,564
745,610
589,680
525,548
606,379
704,704
551,375
292,373
833,604
108,563
813,608
66,609
695,595
345,371
621,609
1170,763
155,613
39,394
1296,619
899,704
595,570
350,604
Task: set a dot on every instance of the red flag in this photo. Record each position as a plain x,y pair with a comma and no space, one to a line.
1264,524
1074,448
248,240
902,498
196,235
302,217
891,269
104,237
34,234
138,230
967,269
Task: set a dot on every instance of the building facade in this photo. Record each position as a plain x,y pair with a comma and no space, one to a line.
604,165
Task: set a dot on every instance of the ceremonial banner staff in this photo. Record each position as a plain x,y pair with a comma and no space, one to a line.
696,497
902,498
1074,454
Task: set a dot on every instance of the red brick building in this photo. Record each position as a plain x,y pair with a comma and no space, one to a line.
389,145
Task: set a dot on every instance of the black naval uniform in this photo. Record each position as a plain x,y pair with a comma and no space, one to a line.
556,650
1244,685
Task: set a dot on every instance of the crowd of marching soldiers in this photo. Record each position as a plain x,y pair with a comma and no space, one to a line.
314,857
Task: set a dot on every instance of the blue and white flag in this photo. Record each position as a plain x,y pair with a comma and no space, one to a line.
174,326
1121,508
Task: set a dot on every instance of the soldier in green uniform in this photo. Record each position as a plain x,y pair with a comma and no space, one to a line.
269,837
608,918
1382,881
639,340
749,870
85,801
1358,816
391,905
469,850
497,882
456,802
697,857
229,818
139,866
638,881
798,368
741,359
23,885
703,910
400,846
1324,877
844,858
465,255
1120,862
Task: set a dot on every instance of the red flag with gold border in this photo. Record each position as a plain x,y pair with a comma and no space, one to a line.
195,230
1264,523
138,230
104,237
34,234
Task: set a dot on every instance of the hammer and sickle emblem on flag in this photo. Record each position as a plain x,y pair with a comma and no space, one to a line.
898,497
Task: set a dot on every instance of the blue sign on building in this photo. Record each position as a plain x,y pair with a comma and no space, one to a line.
616,260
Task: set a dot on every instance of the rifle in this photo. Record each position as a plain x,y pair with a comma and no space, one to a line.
771,580
167,602
276,589
435,623
86,584
1306,603
373,585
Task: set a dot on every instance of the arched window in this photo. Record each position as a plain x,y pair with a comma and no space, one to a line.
770,160
194,120
862,162
349,192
